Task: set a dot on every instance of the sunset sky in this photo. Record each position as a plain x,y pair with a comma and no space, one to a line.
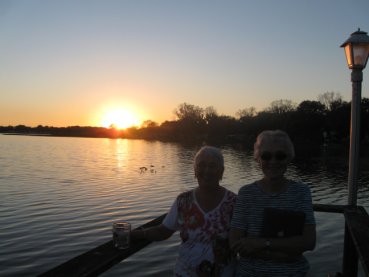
72,62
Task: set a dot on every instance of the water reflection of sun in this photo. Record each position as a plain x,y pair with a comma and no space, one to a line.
119,118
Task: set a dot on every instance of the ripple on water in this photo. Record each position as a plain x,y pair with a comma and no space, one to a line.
60,196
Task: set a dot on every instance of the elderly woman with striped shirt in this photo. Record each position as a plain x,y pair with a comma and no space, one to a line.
273,221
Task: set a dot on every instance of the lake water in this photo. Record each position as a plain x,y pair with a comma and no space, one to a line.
59,197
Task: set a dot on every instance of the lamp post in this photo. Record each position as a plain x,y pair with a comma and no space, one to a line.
357,52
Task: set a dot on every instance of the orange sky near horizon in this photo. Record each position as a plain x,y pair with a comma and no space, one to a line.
76,63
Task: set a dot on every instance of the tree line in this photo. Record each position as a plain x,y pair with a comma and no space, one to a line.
326,120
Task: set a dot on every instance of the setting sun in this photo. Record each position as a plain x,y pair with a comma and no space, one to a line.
119,118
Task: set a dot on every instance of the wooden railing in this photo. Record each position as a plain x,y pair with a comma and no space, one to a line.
356,239
101,258
105,256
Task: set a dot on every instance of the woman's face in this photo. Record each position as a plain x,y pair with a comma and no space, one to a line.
273,158
208,170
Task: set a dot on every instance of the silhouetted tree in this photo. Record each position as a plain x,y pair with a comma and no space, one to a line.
330,99
309,121
281,106
246,112
169,130
305,122
311,107
191,121
210,114
222,126
337,121
149,124
188,112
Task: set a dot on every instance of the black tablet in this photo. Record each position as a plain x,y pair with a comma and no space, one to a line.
282,223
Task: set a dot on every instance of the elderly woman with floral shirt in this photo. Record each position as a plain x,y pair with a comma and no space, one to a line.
203,216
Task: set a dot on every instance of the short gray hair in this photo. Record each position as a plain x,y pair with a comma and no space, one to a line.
274,134
210,150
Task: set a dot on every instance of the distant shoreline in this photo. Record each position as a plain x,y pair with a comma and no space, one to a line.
24,134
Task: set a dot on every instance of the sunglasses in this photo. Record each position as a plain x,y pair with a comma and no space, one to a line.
278,156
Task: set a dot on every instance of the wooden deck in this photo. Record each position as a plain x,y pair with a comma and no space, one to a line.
103,257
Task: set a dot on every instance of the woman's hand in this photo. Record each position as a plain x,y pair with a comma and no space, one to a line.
255,247
248,245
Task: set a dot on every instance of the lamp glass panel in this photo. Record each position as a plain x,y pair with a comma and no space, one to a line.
348,54
361,52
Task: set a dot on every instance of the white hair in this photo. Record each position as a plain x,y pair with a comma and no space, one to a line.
210,150
275,135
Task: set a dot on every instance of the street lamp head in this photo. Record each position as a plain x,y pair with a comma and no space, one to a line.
357,50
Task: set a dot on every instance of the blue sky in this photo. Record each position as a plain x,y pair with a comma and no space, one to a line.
70,62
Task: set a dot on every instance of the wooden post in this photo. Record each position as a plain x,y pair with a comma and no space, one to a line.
350,260
356,241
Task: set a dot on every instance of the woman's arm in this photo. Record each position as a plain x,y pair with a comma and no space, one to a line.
156,233
235,235
273,248
159,232
296,244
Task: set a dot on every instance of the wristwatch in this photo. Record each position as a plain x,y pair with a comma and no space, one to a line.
267,247
267,244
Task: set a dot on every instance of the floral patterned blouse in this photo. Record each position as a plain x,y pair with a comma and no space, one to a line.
204,250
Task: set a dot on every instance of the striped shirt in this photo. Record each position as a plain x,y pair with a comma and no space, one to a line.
248,215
